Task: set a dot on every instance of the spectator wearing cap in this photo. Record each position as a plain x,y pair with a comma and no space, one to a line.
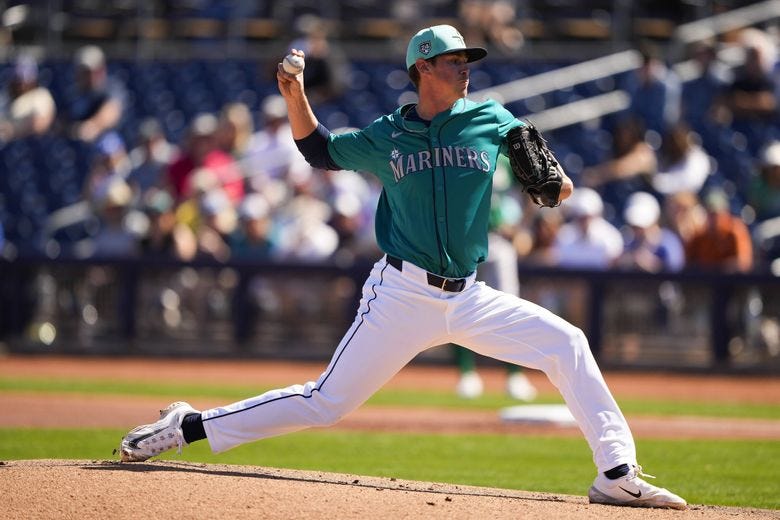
114,238
99,100
253,237
273,161
26,107
150,158
649,247
304,233
165,237
201,150
764,191
723,243
217,222
109,162
587,240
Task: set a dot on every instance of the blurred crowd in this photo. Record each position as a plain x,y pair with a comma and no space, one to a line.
235,187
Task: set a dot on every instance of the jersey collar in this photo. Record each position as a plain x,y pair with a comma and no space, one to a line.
402,122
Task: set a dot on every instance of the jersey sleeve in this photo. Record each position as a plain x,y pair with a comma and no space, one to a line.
505,122
352,150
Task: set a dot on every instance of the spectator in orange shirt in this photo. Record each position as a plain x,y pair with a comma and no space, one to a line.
723,242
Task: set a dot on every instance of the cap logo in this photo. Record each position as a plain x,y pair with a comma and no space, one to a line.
425,47
459,38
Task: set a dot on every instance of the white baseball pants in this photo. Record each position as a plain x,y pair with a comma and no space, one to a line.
400,315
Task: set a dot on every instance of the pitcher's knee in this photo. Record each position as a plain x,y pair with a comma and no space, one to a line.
328,412
571,343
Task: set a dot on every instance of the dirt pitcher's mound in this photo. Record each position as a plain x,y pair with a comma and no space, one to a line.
44,489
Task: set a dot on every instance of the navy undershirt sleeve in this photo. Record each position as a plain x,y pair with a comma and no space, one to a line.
314,148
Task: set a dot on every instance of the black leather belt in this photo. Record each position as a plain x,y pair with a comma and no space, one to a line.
446,284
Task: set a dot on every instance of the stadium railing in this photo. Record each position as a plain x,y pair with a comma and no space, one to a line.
681,321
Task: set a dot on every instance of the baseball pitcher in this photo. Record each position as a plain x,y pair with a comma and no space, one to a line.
435,159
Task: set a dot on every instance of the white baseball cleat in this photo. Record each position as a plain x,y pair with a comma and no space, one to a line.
149,440
519,387
470,385
631,490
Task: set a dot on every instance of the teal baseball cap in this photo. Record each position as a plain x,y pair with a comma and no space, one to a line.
440,39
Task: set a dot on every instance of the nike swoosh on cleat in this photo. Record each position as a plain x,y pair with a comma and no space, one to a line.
635,495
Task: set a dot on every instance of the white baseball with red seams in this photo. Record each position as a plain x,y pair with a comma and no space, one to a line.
293,64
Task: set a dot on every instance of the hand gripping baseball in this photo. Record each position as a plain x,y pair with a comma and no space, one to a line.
534,165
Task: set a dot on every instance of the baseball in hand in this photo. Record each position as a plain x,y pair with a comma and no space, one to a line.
293,64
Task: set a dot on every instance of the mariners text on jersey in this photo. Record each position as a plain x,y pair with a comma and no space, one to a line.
450,156
436,180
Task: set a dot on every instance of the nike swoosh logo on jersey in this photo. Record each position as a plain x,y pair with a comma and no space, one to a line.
395,134
635,495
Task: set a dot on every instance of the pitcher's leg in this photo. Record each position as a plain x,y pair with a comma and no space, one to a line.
385,336
510,329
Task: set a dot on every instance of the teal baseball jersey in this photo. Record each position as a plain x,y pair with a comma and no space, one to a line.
437,180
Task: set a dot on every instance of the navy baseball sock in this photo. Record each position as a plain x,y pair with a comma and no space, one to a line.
192,428
612,474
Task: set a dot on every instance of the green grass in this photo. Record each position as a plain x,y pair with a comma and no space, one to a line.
735,473
385,397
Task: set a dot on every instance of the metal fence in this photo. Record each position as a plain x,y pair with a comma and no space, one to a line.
634,320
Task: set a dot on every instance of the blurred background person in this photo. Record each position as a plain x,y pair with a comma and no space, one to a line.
352,197
217,221
655,91
327,68
723,243
545,226
109,163
684,214
749,104
272,161
683,163
491,22
150,158
26,107
235,129
701,95
97,103
114,239
165,237
764,191
632,164
201,150
648,246
253,237
304,233
587,240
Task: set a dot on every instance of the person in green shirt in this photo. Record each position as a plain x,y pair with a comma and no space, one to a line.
435,160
